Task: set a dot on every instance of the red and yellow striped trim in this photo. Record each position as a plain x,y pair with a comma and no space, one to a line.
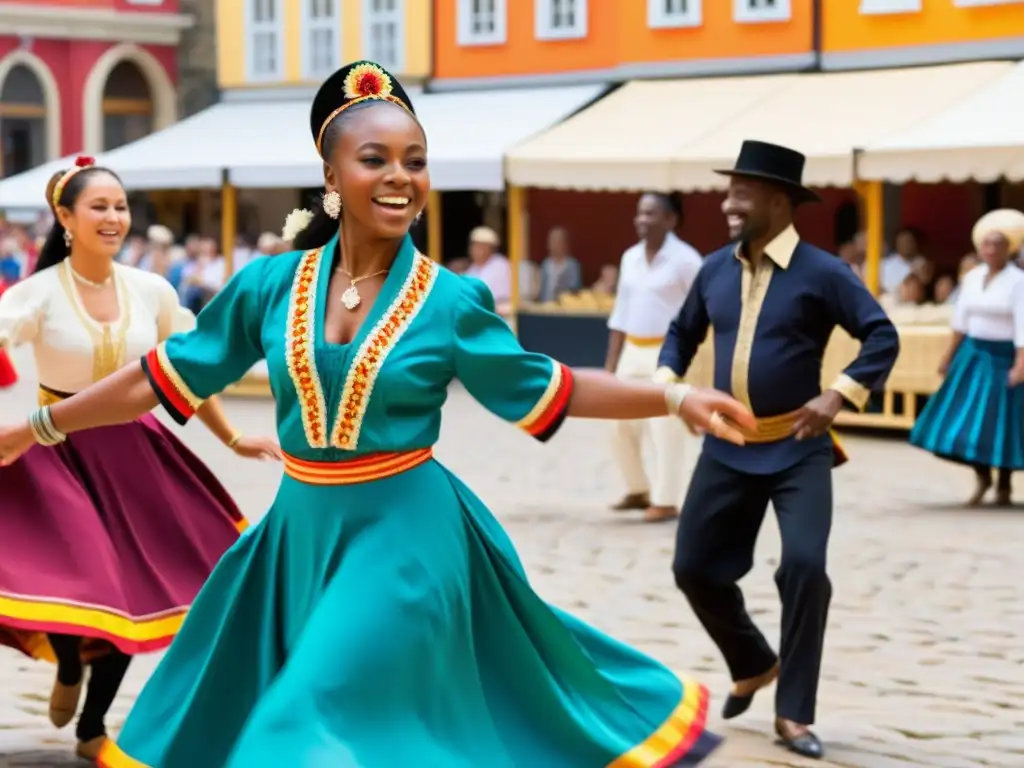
172,391
676,736
365,469
131,634
111,756
547,415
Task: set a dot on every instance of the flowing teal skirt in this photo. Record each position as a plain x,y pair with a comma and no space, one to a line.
390,624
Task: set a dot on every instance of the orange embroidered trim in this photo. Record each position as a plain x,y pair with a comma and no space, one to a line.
374,350
299,349
365,469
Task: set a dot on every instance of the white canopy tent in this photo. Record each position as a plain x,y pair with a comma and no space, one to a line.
980,137
267,144
693,126
23,196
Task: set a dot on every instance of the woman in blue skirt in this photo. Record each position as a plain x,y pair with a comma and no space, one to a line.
378,616
977,416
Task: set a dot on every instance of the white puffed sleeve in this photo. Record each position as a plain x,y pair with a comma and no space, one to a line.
22,307
172,318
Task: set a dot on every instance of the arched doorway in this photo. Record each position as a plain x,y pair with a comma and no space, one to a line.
127,106
23,130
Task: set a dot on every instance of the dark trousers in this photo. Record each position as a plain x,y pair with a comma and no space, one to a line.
107,673
718,528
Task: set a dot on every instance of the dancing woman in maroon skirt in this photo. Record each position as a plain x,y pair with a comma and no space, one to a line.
106,537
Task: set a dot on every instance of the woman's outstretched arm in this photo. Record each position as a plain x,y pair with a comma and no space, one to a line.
117,399
601,395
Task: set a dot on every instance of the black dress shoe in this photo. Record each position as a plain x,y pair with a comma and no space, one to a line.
805,745
736,705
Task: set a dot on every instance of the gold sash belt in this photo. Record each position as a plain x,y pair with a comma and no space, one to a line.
645,341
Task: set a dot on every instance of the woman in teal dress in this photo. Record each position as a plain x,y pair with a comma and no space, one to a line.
378,616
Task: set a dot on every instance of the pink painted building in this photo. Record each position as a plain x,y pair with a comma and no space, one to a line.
84,75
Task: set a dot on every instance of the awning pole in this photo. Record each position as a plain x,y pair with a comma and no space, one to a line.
874,214
516,244
228,225
434,226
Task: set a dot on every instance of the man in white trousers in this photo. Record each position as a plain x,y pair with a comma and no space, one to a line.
654,279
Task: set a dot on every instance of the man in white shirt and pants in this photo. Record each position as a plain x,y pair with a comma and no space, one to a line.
654,279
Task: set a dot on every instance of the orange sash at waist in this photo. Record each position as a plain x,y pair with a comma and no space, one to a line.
364,469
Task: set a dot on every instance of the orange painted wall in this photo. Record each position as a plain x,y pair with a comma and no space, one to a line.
617,34
844,28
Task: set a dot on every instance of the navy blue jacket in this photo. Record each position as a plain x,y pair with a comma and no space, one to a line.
771,326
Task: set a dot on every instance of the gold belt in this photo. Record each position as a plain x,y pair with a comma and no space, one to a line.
771,429
47,396
645,341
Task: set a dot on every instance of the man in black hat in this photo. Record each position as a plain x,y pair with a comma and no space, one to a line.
773,302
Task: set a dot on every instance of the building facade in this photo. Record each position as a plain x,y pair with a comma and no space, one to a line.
84,76
859,34
488,42
275,43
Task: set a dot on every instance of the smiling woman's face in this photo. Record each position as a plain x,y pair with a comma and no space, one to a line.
378,164
99,219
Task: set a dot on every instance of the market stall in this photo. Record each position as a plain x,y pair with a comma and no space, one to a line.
840,115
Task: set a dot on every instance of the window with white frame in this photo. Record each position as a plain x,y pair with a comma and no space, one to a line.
321,52
264,40
384,33
664,14
881,7
560,19
483,22
754,11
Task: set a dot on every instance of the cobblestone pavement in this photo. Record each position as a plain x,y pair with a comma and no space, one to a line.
925,652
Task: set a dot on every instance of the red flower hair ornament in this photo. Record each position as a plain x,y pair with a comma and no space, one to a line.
81,163
355,83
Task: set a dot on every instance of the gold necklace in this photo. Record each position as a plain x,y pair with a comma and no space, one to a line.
351,298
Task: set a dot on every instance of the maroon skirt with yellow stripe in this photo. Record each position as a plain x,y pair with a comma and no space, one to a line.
108,536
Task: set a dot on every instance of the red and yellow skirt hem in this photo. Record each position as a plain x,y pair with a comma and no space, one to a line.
682,740
24,624
112,756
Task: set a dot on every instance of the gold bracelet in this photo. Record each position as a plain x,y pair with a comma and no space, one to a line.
235,439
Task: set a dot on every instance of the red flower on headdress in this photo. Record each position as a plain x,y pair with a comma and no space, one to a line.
366,80
84,161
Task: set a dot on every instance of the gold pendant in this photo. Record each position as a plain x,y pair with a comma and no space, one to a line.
351,298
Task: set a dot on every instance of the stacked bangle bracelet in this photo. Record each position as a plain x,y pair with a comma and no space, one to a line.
43,429
674,396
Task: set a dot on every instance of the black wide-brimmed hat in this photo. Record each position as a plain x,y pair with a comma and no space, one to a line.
775,164
354,83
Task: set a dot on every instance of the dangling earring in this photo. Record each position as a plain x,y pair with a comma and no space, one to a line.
68,237
419,216
332,204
